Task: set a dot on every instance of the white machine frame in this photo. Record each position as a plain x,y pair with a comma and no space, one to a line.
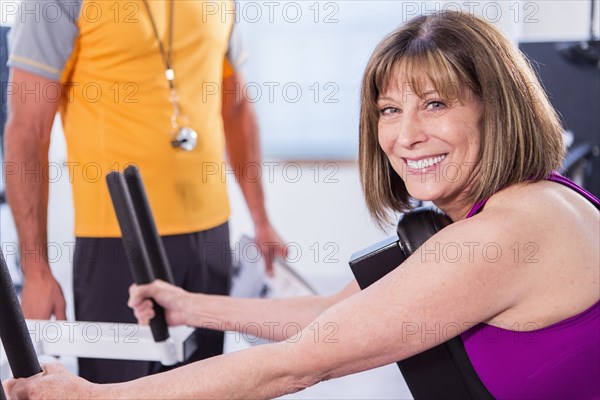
108,340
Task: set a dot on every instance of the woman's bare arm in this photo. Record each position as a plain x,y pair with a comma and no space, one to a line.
425,302
272,319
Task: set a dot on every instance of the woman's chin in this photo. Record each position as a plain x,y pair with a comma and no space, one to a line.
422,194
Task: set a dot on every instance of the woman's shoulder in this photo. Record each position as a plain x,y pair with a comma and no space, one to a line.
545,213
550,201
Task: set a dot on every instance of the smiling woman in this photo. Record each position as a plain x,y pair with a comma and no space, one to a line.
451,113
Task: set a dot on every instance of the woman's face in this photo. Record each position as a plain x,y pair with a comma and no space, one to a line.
431,143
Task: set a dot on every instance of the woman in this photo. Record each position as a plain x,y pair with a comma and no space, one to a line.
453,114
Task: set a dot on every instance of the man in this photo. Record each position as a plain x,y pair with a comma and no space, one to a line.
135,84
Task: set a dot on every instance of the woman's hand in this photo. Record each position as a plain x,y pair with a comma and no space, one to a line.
172,298
55,382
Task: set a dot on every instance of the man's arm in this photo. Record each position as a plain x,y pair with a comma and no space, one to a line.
27,142
243,148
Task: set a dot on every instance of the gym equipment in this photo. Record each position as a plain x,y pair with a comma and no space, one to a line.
13,330
156,251
147,258
577,165
108,340
143,248
444,371
135,246
250,280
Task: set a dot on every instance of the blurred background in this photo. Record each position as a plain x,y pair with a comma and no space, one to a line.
303,66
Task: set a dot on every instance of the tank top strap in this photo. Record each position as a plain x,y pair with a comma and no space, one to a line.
477,207
556,177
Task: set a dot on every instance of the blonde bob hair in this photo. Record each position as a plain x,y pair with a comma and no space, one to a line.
521,136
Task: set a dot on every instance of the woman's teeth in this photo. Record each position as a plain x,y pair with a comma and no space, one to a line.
427,162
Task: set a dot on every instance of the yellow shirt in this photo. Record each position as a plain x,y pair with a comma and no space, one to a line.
117,112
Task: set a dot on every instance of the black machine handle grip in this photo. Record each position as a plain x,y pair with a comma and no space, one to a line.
13,330
135,247
156,251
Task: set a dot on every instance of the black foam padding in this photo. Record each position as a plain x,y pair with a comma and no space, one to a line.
13,329
376,261
444,371
417,226
156,251
135,247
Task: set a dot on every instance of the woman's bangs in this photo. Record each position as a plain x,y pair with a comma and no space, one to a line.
421,72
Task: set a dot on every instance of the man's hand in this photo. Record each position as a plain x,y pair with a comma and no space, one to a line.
172,298
271,245
54,383
42,296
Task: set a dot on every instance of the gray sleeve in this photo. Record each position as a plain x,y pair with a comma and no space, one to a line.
43,36
235,52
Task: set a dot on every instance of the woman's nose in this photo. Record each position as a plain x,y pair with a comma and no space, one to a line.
411,132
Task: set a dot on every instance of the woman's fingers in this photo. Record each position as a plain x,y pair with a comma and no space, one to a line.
144,312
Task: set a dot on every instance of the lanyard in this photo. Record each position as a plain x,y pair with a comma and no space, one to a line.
166,55
184,137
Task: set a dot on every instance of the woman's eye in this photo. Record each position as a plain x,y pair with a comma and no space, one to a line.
388,111
435,105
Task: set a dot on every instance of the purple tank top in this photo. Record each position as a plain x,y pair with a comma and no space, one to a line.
561,361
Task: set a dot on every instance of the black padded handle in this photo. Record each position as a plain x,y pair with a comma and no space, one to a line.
156,251
135,247
13,329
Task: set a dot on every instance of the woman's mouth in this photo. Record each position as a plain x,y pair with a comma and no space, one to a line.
424,164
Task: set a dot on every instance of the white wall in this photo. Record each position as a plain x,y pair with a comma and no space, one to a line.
558,20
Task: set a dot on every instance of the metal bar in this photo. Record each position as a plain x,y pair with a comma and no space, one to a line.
106,340
13,330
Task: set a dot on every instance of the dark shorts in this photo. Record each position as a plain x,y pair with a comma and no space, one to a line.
201,262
